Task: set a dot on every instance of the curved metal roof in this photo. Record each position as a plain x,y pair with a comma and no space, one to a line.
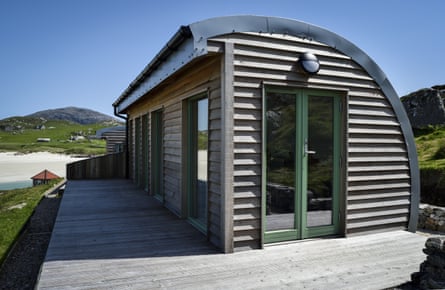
190,42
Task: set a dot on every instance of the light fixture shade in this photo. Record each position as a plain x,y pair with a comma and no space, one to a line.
309,63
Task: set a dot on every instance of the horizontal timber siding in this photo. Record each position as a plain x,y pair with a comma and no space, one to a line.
111,165
377,185
214,166
115,140
172,148
202,76
378,169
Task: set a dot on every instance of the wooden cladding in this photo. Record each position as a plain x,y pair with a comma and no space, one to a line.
375,174
112,165
376,179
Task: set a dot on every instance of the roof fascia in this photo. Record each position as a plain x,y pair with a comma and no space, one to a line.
153,77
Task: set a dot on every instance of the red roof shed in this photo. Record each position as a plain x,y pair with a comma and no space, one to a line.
43,177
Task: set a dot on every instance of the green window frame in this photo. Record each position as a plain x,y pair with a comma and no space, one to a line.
138,150
197,161
145,150
157,153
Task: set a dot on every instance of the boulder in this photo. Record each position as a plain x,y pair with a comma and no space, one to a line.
431,273
426,106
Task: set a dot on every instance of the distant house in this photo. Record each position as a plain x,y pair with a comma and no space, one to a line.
261,129
77,138
43,177
114,136
43,139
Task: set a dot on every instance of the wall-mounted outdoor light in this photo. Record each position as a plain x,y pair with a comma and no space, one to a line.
309,63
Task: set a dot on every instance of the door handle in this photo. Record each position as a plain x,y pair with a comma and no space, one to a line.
306,149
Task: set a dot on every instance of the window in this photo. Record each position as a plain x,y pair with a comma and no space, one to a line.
197,152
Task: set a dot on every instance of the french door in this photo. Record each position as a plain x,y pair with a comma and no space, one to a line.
301,164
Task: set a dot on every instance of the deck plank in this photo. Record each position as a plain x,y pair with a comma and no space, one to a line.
111,235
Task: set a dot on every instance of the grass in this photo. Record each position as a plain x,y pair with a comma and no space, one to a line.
430,143
23,138
16,207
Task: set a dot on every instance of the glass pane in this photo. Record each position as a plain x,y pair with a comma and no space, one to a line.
320,151
199,208
156,154
137,166
280,163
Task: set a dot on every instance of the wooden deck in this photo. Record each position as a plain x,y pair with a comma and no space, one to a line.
111,235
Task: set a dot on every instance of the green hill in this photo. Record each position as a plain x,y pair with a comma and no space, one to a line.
30,134
75,115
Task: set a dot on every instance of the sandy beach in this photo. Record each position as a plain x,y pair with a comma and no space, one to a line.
19,167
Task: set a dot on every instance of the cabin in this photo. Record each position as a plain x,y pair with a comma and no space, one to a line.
115,138
43,177
260,130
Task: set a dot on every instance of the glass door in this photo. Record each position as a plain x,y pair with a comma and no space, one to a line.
281,166
322,159
198,140
301,165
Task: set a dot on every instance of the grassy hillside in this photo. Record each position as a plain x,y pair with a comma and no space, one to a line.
21,134
430,143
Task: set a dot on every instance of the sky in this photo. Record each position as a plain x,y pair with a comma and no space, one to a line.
85,53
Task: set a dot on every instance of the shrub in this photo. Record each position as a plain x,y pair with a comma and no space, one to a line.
432,185
440,152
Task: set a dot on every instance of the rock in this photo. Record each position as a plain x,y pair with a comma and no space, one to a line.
17,206
436,261
432,218
435,243
433,284
431,273
441,226
425,107
430,223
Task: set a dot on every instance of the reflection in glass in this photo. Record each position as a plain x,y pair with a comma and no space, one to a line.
198,208
320,161
156,154
280,163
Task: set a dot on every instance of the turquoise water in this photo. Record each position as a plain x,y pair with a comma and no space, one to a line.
15,184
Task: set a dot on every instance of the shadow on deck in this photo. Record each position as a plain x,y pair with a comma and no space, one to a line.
109,219
111,235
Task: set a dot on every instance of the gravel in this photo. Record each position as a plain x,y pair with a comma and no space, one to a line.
21,268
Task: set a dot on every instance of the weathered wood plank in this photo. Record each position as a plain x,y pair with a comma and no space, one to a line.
111,235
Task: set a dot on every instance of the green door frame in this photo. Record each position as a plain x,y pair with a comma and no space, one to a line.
301,230
145,151
156,172
138,155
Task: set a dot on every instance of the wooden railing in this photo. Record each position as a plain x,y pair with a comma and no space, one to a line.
102,167
56,189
